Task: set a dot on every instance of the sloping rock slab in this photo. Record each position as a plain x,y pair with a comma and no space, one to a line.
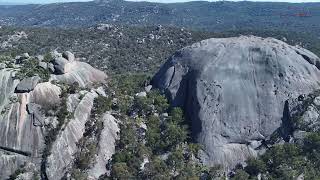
27,84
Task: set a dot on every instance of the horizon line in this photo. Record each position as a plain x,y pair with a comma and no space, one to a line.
23,2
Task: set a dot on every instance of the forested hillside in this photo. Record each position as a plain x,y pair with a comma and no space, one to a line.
209,16
123,49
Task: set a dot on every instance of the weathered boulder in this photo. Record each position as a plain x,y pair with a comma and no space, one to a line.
2,66
25,55
46,95
100,90
51,67
59,65
37,115
55,54
80,72
43,65
68,55
148,88
141,94
27,84
234,90
40,58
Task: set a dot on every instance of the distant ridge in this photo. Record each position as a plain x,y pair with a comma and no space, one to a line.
106,1
199,15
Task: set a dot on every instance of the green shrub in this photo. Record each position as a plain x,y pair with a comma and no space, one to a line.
47,57
156,169
30,68
176,116
173,135
241,175
255,166
101,105
121,171
159,101
79,175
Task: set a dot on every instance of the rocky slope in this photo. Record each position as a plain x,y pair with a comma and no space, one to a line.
45,106
234,92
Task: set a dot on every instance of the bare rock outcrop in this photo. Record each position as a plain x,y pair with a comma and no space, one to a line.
20,140
76,71
29,111
303,116
109,135
67,70
66,144
234,91
27,84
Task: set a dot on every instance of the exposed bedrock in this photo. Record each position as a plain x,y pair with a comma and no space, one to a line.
29,110
234,90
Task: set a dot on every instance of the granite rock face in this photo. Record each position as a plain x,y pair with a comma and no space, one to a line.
66,144
27,84
234,91
29,110
80,72
59,65
303,115
106,150
20,140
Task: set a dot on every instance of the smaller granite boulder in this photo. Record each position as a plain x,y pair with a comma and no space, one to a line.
2,65
101,91
36,114
68,55
25,56
27,84
21,59
51,67
55,54
43,65
59,65
148,88
40,58
141,94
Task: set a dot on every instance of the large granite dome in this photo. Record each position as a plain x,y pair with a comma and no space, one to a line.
234,90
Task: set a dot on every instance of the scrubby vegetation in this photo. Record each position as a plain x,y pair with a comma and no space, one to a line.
123,49
30,68
297,157
88,144
119,50
286,161
156,146
155,140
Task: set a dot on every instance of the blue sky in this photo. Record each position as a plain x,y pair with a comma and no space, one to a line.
167,1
